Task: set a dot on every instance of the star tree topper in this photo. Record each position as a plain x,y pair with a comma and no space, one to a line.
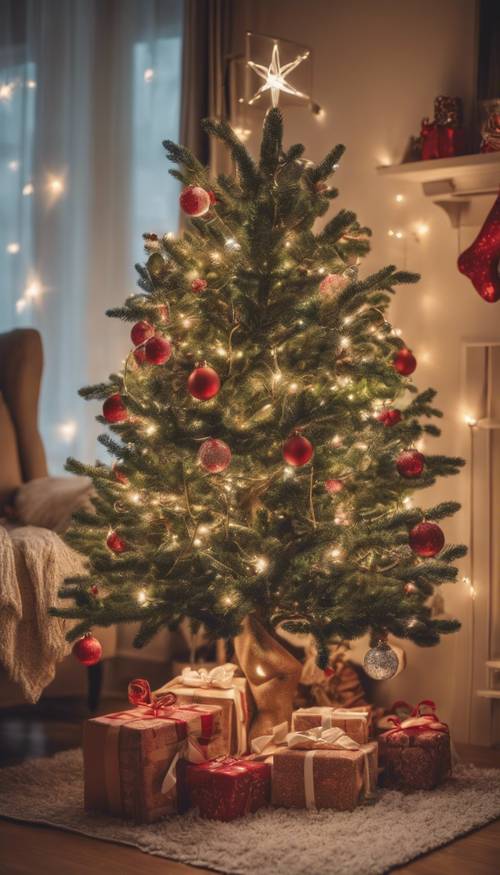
275,75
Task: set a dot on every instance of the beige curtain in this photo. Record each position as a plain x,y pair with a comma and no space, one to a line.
206,52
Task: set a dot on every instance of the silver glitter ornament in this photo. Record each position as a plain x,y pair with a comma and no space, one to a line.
381,662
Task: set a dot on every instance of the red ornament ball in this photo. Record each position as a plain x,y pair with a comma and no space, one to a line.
194,200
214,456
114,409
203,383
410,464
87,650
140,355
158,350
120,476
426,539
199,285
297,450
389,416
405,362
141,332
333,486
115,543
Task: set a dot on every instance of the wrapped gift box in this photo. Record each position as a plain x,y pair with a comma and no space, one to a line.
127,756
225,788
354,721
324,778
218,687
415,753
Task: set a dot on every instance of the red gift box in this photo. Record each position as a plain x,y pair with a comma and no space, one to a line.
415,754
224,788
441,141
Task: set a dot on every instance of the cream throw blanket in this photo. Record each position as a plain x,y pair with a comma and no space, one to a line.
34,562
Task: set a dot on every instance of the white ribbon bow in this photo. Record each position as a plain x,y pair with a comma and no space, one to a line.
221,676
321,739
187,750
265,744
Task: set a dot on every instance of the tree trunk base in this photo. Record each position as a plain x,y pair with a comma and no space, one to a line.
272,674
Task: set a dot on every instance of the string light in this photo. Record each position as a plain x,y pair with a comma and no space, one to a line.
149,74
55,187
33,290
135,497
261,564
28,189
151,429
6,91
231,243
67,430
142,596
470,420
13,166
293,388
399,198
21,305
12,248
468,583
30,83
242,133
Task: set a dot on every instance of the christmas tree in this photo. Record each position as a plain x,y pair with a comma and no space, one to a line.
264,427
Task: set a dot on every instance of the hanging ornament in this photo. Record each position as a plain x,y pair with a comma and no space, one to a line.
114,409
94,590
164,312
389,416
199,285
410,464
87,650
405,362
203,383
297,450
481,261
214,455
333,486
115,543
194,201
157,350
410,588
332,283
141,332
213,199
140,355
120,476
426,539
381,662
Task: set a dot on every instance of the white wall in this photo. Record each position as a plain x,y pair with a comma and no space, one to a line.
377,68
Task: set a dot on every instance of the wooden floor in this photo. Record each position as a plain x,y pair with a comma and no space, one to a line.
37,850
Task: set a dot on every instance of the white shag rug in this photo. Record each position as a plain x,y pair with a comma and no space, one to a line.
389,832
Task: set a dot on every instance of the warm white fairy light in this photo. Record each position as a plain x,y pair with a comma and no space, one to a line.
151,429
149,74
135,497
6,91
33,290
13,165
233,244
293,388
12,248
67,430
21,305
470,420
30,83
242,133
408,501
261,564
197,542
399,235
28,189
422,229
399,198
142,596
390,233
468,583
344,342
275,77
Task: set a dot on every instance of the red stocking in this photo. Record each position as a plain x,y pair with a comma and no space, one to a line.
481,261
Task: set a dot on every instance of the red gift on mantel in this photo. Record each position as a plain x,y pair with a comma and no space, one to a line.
416,753
225,788
445,136
130,757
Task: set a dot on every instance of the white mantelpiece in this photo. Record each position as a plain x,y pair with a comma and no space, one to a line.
458,185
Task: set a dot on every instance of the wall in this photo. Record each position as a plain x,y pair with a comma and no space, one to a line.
377,68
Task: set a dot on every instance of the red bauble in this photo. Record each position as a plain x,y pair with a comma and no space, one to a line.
194,200
426,539
297,450
410,464
405,362
333,486
119,476
140,355
214,456
158,350
389,416
203,383
114,409
87,650
115,543
199,285
141,332
481,261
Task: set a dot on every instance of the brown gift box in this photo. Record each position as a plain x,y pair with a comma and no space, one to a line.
236,709
127,755
323,778
415,762
353,721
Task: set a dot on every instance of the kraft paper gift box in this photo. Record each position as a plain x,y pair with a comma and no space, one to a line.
220,687
128,754
322,768
416,753
225,788
354,721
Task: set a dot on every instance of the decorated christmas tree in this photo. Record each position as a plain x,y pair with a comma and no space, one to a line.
265,429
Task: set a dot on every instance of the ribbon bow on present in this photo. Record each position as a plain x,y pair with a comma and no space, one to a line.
416,721
318,738
139,694
221,676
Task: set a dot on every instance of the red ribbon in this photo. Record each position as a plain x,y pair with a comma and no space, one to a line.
139,693
416,722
